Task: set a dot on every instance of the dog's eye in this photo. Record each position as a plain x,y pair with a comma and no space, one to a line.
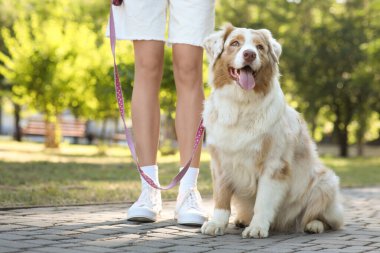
260,47
235,43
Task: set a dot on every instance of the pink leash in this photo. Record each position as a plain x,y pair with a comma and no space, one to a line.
120,102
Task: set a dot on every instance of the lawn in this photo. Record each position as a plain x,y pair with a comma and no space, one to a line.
77,174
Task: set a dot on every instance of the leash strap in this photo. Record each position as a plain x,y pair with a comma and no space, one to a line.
120,102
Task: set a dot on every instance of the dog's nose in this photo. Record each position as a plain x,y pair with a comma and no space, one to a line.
249,55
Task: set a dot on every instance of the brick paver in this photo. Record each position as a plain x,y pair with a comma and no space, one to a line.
103,228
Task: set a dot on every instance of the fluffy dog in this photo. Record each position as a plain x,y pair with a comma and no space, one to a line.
262,156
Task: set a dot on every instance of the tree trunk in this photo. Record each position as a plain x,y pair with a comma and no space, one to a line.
363,125
340,128
89,134
102,143
17,136
360,137
313,127
169,128
360,148
117,131
343,142
52,134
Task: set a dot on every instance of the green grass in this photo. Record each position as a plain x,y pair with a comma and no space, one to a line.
76,174
356,172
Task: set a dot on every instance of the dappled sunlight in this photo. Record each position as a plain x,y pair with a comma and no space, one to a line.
336,162
68,153
356,172
76,174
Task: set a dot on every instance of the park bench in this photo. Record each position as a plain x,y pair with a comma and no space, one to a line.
69,128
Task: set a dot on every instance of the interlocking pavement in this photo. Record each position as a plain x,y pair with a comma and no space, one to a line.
103,228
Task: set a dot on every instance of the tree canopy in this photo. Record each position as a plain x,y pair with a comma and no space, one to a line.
329,64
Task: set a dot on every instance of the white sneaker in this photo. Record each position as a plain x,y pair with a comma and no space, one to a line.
147,207
188,209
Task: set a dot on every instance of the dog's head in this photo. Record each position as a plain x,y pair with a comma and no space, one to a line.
243,56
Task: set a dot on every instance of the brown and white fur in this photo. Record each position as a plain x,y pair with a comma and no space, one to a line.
262,156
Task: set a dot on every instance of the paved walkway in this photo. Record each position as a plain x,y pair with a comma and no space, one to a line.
102,228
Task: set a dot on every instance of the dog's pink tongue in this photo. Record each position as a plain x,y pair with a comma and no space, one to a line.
246,79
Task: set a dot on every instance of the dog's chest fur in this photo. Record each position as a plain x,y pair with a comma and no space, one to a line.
237,125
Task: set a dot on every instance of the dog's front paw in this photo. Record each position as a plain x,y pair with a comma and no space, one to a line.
213,228
315,227
256,231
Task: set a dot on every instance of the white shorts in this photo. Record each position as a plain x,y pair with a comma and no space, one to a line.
190,21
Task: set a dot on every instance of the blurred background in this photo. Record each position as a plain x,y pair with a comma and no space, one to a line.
61,138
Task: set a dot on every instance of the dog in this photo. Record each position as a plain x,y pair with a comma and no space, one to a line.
263,159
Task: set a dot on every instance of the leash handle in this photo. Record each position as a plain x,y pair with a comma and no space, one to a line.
128,135
117,2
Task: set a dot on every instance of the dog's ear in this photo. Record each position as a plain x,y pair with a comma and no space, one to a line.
275,48
214,43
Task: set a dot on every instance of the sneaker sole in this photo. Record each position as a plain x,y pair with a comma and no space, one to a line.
142,215
142,219
196,221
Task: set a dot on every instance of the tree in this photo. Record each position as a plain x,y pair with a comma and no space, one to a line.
327,64
46,65
6,19
333,60
102,72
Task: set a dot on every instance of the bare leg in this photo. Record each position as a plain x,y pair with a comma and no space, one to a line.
187,62
149,56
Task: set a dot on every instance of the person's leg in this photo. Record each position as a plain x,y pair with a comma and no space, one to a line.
149,57
187,65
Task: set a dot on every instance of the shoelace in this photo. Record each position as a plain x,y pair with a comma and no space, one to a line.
191,199
148,196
